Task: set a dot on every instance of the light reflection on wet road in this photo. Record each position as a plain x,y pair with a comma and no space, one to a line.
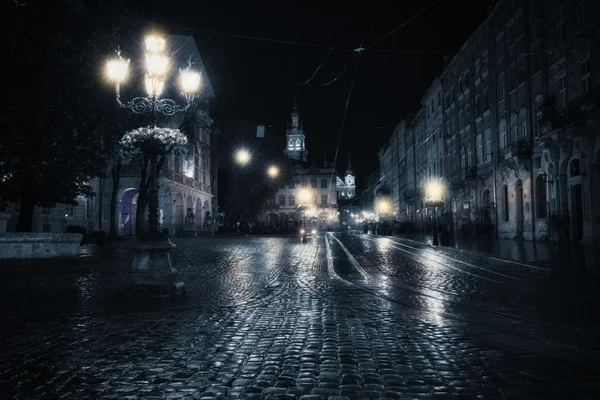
343,315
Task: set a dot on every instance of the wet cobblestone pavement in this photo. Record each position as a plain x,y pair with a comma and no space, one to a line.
343,316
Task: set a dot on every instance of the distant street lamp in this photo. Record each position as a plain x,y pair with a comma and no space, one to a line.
304,197
273,171
242,157
154,141
434,197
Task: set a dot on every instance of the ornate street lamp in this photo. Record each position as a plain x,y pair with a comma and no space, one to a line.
152,254
434,197
157,66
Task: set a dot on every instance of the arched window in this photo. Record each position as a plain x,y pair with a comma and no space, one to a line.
469,155
501,86
487,145
513,127
485,199
523,120
479,148
463,157
541,205
502,133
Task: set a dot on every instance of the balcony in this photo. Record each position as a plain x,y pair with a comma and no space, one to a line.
470,172
521,148
552,118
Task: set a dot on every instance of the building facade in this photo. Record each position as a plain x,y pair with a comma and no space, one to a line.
184,182
518,141
311,194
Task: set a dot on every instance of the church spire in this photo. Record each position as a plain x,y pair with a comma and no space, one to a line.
349,168
295,116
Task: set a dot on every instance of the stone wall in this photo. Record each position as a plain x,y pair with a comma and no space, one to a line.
39,245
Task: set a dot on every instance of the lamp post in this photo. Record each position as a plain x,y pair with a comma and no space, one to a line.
434,192
152,255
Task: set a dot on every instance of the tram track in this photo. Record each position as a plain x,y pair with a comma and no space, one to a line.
454,317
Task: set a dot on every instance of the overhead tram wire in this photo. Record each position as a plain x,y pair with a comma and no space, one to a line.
188,38
332,46
311,45
359,50
403,24
359,47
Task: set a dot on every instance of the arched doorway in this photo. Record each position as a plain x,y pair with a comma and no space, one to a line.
519,204
486,214
178,223
165,210
206,214
127,210
198,215
189,204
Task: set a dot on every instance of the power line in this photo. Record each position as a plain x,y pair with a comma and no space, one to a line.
317,46
186,40
337,147
369,188
359,50
404,23
332,46
338,76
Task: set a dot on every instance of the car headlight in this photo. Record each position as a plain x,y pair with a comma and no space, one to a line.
314,232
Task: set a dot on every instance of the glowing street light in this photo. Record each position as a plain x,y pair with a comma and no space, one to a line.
242,157
273,171
157,65
384,206
434,192
434,197
305,195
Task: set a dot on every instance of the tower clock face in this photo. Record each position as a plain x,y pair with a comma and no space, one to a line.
291,142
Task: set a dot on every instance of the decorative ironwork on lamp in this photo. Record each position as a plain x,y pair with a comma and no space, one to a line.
157,67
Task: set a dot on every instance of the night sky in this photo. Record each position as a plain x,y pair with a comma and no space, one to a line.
258,79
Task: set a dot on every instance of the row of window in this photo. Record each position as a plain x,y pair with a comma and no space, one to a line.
483,142
303,182
291,200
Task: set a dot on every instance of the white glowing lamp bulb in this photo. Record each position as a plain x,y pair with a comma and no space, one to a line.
157,64
154,86
155,44
189,81
117,69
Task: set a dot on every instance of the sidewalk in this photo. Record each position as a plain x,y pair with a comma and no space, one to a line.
573,256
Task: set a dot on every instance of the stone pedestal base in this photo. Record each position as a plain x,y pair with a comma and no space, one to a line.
151,265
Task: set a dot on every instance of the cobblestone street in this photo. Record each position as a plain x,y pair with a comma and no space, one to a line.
343,316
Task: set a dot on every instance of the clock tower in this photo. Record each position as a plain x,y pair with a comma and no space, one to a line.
295,144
